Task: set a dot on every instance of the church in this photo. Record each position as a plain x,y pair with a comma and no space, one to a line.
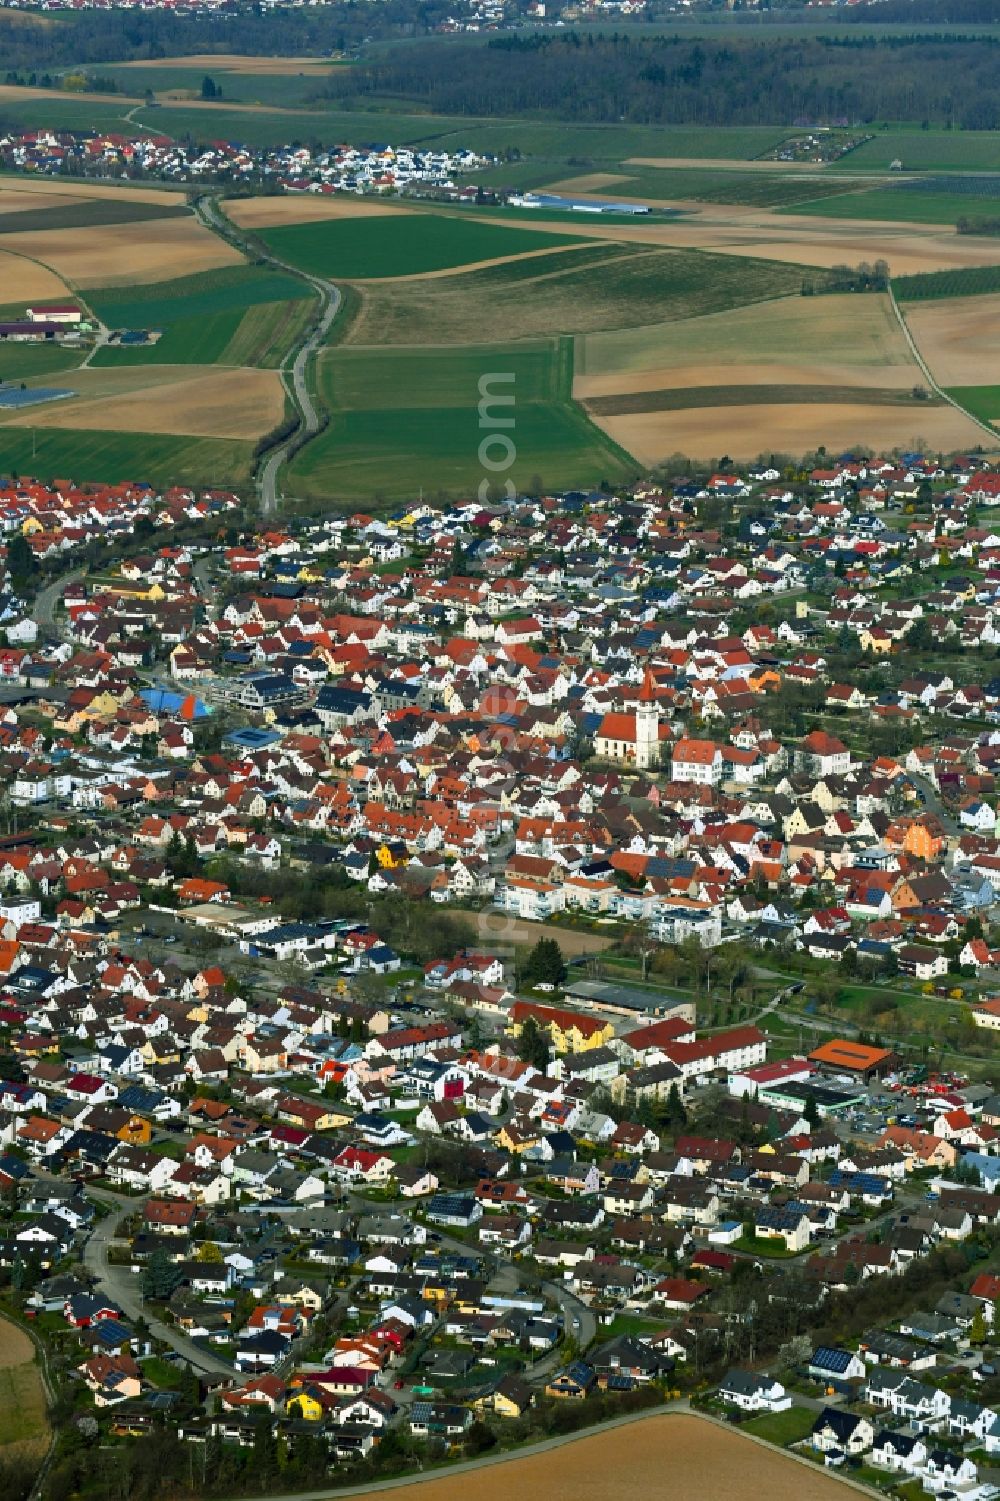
633,739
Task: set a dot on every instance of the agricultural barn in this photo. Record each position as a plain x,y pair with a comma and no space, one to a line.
844,1057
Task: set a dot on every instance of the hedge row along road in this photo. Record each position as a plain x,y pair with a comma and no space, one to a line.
310,420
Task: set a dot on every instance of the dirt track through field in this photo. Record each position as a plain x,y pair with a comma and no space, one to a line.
24,281
959,337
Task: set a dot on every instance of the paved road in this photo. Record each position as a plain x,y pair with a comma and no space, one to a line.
124,1287
213,218
43,611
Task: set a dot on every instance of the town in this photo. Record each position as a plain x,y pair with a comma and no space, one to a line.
292,168
475,969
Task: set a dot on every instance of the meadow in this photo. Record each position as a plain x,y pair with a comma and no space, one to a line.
601,286
925,151
907,205
367,247
407,420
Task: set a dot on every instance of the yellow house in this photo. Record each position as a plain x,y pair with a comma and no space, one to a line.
877,641
568,1031
517,1138
391,858
304,1405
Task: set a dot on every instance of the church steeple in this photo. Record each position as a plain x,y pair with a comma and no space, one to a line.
647,724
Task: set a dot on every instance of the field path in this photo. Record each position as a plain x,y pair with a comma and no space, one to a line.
932,383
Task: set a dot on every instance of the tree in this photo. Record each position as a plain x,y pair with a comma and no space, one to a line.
22,565
161,1277
977,1329
545,964
209,88
533,1045
674,1113
209,1251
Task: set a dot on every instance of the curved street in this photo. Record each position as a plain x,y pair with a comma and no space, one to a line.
125,1289
214,218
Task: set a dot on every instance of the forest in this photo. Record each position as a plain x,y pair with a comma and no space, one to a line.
945,81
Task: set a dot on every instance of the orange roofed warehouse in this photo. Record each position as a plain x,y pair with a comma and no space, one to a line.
842,1056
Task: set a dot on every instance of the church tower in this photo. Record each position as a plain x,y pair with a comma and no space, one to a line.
647,725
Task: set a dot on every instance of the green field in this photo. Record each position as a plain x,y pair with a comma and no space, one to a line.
408,420
55,453
926,151
764,188
84,215
892,203
380,246
972,281
203,317
265,334
601,286
25,361
982,401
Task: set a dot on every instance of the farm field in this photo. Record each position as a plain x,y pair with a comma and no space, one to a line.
409,420
27,361
162,459
960,340
762,187
925,151
788,428
83,213
124,253
24,281
23,1422
840,339
216,317
361,247
891,203
182,400
982,401
566,291
619,1463
800,372
298,208
973,281
740,231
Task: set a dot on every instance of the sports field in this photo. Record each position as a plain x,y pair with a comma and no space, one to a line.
409,420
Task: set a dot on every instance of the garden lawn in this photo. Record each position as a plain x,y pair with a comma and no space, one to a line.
383,245
782,1428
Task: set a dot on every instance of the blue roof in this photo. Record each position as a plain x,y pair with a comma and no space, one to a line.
167,701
